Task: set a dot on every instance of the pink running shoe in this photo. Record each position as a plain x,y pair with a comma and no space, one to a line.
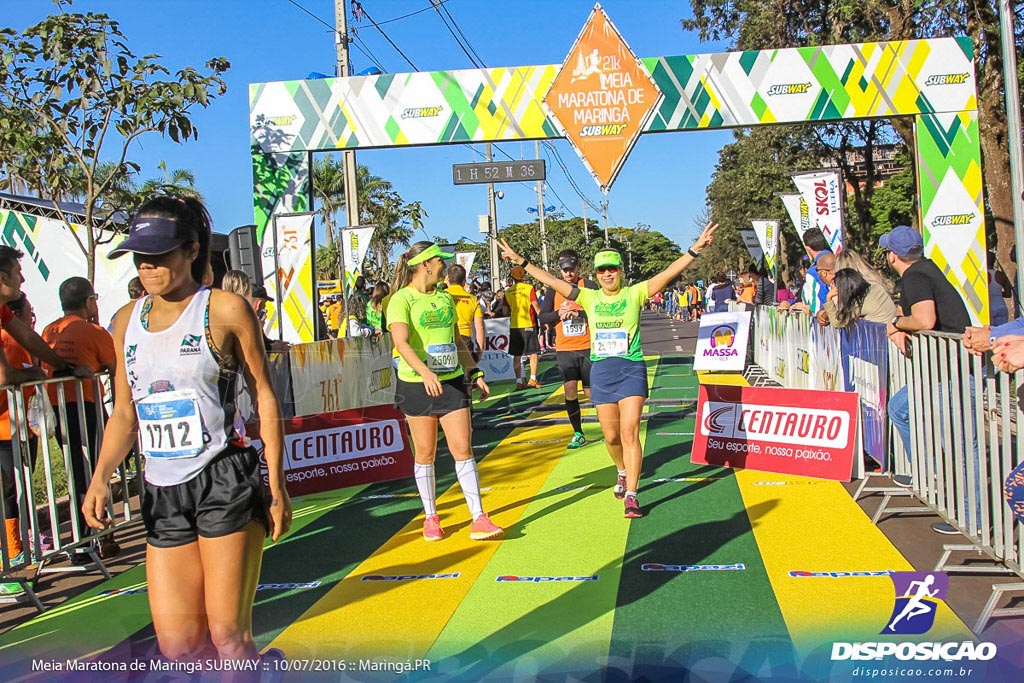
620,487
483,529
432,530
632,508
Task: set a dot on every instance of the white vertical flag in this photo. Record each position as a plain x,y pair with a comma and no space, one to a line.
798,211
752,244
823,191
767,232
465,259
355,241
289,279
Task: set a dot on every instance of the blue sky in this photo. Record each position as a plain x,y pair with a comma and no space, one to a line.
662,183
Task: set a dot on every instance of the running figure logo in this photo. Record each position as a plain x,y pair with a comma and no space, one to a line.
917,599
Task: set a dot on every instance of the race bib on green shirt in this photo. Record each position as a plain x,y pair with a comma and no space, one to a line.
614,321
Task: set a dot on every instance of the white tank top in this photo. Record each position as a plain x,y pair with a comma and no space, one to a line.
184,399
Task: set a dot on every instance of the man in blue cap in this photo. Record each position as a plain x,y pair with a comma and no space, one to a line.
928,301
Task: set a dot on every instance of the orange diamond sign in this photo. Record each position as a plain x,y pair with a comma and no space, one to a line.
602,97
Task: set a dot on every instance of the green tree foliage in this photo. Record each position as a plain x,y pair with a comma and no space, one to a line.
768,24
893,203
72,92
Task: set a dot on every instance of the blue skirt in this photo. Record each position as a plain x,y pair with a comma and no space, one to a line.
613,379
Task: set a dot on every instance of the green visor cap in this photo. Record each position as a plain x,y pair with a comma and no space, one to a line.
607,258
429,253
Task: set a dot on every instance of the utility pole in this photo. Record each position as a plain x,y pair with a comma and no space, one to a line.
348,156
604,212
540,212
1013,125
586,228
492,211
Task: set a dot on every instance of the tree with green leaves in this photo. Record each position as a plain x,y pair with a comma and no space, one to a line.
750,174
773,24
73,95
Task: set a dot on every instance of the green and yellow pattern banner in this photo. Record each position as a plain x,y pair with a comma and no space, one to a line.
933,80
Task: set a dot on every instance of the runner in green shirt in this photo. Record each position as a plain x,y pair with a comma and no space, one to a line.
618,376
434,367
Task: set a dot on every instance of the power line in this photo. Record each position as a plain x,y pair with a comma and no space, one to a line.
410,14
388,38
459,29
472,60
330,26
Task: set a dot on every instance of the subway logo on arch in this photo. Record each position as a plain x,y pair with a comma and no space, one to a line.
780,424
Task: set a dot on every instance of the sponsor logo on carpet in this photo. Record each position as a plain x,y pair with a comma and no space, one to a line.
513,578
655,567
800,574
408,577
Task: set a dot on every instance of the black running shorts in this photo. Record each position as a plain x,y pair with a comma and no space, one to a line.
522,341
575,366
225,496
412,398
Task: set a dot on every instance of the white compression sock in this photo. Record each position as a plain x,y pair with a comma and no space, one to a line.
425,484
465,470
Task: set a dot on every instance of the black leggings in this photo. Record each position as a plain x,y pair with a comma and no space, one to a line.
8,476
80,466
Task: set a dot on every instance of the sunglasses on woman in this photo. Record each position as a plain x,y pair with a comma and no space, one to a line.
608,269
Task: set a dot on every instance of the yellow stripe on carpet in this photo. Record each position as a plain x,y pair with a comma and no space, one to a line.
814,525
388,618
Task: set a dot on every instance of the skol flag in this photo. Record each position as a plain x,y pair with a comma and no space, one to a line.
355,242
465,259
797,210
823,191
767,232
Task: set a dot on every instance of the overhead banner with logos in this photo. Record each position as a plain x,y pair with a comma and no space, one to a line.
288,264
355,241
767,232
798,211
823,191
788,431
602,98
752,244
722,341
495,361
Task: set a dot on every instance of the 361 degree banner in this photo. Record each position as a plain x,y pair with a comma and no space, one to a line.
789,431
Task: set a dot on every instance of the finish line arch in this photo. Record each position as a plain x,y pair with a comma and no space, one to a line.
932,80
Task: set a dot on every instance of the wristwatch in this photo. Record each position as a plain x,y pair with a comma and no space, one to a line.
894,319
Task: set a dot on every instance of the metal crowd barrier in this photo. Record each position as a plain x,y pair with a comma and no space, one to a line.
963,417
48,524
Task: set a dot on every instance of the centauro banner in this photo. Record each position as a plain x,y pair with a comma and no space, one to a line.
823,191
767,232
789,431
288,262
798,211
355,241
